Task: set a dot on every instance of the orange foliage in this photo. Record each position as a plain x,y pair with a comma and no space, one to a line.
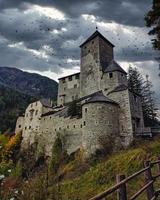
13,144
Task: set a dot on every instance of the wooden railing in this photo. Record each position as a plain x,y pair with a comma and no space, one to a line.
121,187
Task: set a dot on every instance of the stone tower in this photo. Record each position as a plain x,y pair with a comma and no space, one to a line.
96,54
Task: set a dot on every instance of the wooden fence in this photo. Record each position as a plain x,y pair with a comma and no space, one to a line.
121,186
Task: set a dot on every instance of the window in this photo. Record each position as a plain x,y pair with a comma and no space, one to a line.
92,42
63,80
75,85
86,110
85,47
64,88
55,129
68,127
81,125
74,126
25,128
89,51
19,126
36,112
77,76
29,127
84,123
110,75
70,78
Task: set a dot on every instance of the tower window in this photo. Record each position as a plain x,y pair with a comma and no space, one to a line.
70,78
75,86
110,75
63,80
77,76
85,110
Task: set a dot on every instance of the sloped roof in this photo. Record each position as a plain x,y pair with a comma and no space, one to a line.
119,88
113,66
46,103
95,34
100,97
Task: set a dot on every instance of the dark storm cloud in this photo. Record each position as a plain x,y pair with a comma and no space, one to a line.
126,12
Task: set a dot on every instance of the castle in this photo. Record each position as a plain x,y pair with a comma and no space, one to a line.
108,112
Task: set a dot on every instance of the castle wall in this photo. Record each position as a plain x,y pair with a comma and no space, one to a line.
19,124
89,79
101,126
108,83
68,89
125,121
69,129
136,113
105,52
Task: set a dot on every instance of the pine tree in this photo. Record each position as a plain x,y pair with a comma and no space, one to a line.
153,20
138,85
135,80
148,103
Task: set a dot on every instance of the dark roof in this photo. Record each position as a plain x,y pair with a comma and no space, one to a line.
46,103
95,34
113,66
100,97
119,88
69,75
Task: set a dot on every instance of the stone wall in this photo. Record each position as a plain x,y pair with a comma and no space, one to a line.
68,89
125,119
101,126
69,129
89,79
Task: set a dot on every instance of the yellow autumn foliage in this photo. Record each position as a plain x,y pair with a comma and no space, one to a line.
12,145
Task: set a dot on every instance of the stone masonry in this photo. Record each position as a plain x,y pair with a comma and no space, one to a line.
110,113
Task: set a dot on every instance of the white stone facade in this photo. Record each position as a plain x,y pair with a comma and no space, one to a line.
109,109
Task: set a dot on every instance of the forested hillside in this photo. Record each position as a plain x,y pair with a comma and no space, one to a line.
12,104
17,90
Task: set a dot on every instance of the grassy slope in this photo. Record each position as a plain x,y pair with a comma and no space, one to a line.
102,175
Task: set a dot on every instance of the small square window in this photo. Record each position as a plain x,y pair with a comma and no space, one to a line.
77,76
63,80
110,75
70,78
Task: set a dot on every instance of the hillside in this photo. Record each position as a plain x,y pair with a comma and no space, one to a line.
28,83
17,90
12,104
74,179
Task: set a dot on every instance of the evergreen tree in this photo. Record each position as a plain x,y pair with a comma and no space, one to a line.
153,20
138,85
148,103
135,80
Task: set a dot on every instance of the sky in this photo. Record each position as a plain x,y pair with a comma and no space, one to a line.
44,36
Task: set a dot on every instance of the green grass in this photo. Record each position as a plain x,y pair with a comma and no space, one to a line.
102,175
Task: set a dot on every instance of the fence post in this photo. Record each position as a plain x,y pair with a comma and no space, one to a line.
148,178
121,192
159,164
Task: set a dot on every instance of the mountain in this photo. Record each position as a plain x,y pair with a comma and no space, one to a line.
28,83
17,90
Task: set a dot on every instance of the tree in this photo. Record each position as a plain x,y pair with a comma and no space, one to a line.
135,80
148,103
138,85
153,20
